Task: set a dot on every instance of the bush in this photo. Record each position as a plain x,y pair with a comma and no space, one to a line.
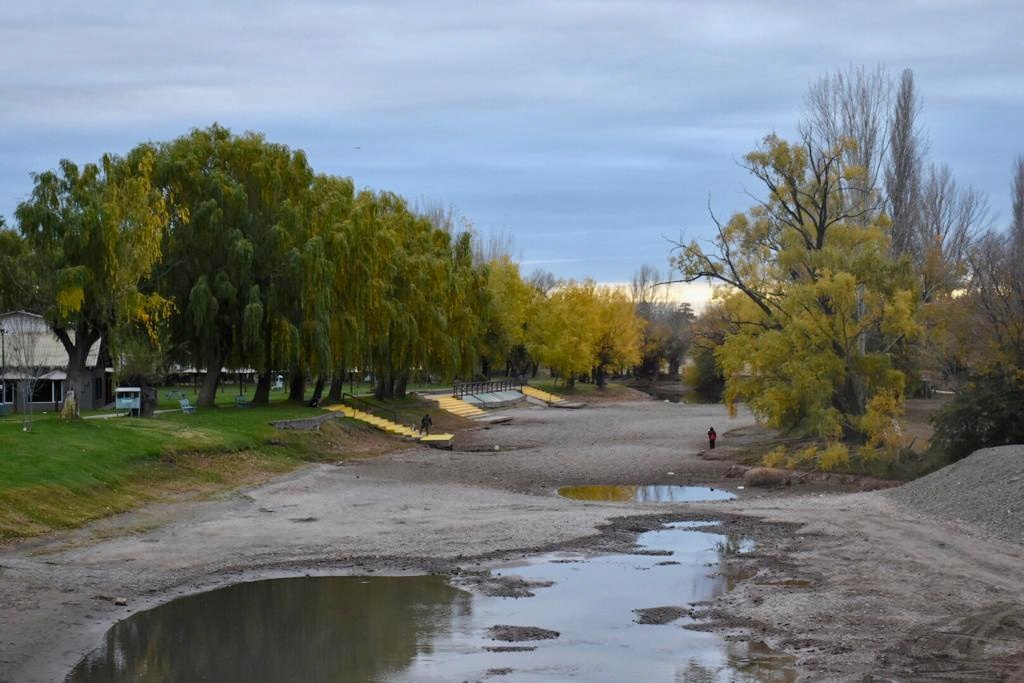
775,457
986,413
703,374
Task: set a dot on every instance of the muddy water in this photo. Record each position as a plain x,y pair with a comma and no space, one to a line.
644,494
422,628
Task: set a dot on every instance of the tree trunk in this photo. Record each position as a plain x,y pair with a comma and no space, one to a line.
297,386
600,377
262,395
208,388
385,384
79,379
400,384
318,388
337,386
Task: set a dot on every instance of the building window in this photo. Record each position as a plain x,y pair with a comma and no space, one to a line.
42,391
48,391
6,392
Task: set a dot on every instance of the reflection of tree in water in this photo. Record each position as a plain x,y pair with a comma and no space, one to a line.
615,494
730,546
328,628
755,661
727,549
745,662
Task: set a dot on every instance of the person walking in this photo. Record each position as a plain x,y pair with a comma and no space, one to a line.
712,437
425,425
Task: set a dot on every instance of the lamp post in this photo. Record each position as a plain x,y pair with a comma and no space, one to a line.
3,368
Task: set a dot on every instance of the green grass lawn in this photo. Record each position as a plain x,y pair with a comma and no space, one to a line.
579,389
62,474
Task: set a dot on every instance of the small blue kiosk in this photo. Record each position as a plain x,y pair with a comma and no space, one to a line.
128,399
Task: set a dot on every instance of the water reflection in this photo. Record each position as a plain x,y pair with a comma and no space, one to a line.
304,629
644,494
424,629
682,395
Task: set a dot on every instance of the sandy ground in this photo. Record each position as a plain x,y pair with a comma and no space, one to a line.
852,585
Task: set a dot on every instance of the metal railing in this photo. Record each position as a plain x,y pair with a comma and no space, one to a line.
461,389
368,407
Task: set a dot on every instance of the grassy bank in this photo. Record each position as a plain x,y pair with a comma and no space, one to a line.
581,390
61,475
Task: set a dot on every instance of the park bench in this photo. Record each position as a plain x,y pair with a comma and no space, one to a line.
186,407
242,402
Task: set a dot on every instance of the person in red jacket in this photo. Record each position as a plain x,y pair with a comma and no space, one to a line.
712,436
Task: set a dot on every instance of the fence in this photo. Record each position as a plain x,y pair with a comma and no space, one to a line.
460,389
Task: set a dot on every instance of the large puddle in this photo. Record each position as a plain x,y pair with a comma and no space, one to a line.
644,494
422,628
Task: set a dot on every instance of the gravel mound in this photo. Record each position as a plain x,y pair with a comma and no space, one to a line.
984,490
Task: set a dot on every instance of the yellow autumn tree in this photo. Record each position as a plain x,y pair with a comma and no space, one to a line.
619,333
582,328
508,316
815,302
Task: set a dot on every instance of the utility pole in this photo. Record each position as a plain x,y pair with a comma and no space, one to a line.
3,368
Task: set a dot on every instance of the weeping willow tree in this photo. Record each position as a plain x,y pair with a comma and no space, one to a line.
94,234
208,266
328,327
408,317
259,263
418,291
235,259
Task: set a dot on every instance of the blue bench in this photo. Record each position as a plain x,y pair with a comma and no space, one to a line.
186,407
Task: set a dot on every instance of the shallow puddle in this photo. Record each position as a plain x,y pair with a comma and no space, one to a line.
421,628
645,494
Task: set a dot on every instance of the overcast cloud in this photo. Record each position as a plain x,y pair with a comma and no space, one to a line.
589,129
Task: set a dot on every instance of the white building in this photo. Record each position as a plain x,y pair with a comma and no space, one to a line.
33,367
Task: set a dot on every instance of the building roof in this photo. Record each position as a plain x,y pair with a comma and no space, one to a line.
29,342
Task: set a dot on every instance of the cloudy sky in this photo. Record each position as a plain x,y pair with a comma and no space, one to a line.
590,130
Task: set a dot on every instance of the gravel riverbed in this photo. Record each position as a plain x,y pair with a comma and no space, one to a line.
855,586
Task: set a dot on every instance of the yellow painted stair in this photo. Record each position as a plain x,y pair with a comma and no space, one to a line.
371,419
457,406
389,425
542,395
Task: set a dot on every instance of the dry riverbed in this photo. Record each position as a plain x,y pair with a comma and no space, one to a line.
856,586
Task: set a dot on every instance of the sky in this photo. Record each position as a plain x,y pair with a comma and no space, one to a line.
591,131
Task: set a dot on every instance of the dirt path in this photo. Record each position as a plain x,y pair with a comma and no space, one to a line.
848,583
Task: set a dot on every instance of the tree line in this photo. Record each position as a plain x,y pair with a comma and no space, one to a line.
862,274
222,250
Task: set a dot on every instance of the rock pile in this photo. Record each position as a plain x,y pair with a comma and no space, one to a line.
984,490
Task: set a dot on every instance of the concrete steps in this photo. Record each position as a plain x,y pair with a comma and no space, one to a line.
456,406
389,426
540,394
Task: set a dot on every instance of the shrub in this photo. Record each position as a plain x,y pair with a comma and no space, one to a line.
986,413
834,456
775,457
